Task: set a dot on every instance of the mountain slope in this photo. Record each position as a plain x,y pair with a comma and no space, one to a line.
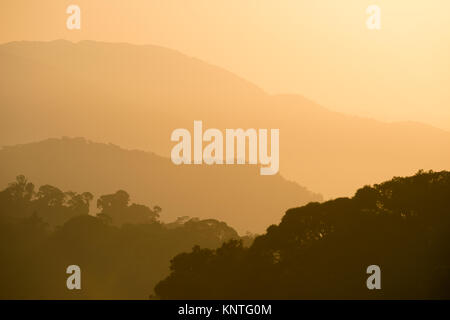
238,195
135,96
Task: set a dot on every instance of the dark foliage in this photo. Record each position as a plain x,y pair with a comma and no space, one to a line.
122,252
323,250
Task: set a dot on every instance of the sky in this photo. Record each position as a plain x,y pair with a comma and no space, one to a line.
320,49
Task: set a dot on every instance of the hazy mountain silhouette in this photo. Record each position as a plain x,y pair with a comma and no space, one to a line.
122,251
238,195
135,96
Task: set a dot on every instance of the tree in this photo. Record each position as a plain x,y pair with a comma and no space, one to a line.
116,206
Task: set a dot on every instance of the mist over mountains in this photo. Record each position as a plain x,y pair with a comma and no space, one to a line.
135,96
90,123
238,195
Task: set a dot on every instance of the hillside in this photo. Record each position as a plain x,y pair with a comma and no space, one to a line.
238,195
135,96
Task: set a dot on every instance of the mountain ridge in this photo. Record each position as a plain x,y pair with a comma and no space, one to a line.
79,164
135,96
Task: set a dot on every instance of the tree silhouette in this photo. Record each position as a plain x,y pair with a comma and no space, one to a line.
52,229
116,207
322,250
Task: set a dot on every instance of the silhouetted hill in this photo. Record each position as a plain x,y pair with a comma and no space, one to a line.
135,96
323,250
117,261
238,195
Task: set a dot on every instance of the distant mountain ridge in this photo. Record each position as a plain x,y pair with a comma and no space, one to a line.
135,96
238,195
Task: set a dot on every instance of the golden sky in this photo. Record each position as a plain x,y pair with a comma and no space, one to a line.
320,49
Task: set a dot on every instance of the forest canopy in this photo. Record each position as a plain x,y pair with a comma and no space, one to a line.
322,250
122,251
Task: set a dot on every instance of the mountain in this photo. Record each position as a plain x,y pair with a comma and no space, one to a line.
238,195
135,96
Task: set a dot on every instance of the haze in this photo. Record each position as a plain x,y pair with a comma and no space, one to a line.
320,49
